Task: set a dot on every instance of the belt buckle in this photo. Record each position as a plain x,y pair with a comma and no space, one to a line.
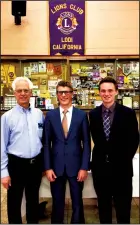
32,161
107,160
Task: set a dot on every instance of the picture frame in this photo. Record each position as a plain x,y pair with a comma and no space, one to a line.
127,101
136,104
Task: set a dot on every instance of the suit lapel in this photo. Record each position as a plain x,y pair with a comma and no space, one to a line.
115,119
59,124
100,121
73,119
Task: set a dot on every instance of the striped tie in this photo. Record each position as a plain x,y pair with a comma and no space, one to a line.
65,123
106,124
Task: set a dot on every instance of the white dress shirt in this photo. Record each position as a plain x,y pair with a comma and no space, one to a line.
68,115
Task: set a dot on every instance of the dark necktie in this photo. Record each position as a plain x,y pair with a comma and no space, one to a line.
106,124
65,123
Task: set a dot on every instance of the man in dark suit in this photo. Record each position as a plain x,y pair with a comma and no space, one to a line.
114,130
66,141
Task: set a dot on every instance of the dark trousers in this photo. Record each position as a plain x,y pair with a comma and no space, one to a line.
25,174
120,190
58,188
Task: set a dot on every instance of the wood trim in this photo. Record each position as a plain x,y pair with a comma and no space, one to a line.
45,57
104,57
32,57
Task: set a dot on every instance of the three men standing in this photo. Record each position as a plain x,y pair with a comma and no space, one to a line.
66,140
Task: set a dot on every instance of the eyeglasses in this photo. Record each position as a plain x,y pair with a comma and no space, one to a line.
19,91
64,92
106,91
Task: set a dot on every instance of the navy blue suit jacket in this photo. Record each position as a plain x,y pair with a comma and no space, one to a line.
73,152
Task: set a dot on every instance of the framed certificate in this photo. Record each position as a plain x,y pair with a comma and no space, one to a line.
135,104
127,101
40,103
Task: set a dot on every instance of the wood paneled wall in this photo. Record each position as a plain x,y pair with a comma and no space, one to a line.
112,28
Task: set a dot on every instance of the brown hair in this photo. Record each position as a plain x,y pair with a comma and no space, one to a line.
109,80
64,83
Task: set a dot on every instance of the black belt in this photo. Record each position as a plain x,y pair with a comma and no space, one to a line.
24,160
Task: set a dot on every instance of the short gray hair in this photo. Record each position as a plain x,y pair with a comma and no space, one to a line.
22,79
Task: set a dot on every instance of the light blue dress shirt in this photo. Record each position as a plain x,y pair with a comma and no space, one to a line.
21,134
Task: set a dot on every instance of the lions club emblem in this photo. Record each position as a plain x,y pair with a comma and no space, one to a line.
66,23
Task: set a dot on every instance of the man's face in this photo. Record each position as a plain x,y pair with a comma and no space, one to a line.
22,93
108,93
64,96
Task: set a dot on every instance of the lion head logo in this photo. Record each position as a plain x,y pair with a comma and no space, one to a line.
66,23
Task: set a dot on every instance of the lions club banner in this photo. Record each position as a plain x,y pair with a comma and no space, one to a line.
67,27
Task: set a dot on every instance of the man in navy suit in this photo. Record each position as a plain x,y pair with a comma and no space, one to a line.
114,130
66,141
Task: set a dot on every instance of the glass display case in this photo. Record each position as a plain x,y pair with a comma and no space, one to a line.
85,77
128,82
45,74
84,74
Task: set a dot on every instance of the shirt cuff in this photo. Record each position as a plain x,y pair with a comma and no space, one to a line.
4,173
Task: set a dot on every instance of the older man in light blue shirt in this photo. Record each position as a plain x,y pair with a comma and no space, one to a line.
21,164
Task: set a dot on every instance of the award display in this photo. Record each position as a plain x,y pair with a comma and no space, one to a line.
40,103
127,101
135,105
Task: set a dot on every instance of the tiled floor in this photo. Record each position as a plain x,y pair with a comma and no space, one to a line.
90,209
91,212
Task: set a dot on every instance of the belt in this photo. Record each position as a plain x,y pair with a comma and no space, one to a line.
25,160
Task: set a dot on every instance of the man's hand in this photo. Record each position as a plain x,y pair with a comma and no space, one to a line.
82,175
50,175
6,182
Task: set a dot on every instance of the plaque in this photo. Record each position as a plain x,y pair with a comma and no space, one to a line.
127,101
135,105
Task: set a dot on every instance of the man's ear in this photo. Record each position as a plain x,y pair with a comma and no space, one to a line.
117,92
14,93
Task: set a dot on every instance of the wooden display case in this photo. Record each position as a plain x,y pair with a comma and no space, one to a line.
84,72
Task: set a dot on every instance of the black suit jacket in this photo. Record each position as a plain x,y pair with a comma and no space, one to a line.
122,145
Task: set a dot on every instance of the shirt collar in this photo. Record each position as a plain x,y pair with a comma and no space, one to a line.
111,108
21,109
69,109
